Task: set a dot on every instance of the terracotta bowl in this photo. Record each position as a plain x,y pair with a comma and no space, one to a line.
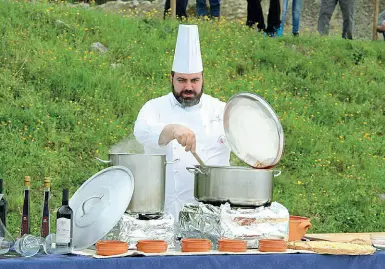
152,246
272,245
232,245
195,245
298,227
108,248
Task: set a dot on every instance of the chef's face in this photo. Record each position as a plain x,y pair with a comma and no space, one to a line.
187,88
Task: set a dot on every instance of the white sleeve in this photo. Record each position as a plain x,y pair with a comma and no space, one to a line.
148,127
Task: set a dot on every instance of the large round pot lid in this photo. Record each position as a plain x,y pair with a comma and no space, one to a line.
99,204
253,130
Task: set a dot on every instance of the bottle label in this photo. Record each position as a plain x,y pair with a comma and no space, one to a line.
44,227
63,231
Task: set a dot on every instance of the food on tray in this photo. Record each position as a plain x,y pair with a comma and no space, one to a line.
336,248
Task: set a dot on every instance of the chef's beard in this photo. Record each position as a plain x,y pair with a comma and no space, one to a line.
190,101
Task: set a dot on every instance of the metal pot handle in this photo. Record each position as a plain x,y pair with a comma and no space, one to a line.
172,162
103,161
276,173
194,170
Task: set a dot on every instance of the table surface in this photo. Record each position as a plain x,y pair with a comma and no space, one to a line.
265,261
273,261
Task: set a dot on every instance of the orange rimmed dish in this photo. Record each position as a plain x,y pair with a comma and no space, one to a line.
152,246
111,247
195,245
272,245
232,245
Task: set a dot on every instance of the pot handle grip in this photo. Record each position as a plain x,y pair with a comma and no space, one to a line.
172,162
103,161
194,170
276,173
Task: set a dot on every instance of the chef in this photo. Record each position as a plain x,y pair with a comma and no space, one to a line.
184,121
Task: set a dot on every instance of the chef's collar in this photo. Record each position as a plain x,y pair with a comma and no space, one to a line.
175,102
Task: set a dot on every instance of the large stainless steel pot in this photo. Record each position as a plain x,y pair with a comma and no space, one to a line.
150,180
239,186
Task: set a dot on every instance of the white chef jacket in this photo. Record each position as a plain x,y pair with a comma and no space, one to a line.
205,120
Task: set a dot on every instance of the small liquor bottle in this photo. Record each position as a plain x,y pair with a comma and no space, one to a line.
45,220
3,208
25,218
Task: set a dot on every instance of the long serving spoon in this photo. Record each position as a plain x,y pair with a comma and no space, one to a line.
201,163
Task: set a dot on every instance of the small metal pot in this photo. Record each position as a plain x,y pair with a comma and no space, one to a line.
239,186
150,180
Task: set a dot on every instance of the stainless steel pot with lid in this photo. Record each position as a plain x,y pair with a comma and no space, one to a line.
255,136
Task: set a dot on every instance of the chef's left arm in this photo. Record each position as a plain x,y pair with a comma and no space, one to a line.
148,126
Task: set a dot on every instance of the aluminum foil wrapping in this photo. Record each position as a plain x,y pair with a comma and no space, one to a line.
254,224
133,229
208,221
200,221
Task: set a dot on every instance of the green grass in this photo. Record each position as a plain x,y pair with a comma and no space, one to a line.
62,104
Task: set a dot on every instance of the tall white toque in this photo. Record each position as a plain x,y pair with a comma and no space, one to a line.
187,57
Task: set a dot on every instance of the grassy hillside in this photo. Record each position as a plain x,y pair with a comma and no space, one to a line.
62,104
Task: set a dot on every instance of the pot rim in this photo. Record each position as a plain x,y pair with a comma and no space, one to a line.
235,168
118,153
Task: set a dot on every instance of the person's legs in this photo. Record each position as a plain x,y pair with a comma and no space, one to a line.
215,6
283,18
255,14
201,8
181,8
297,7
273,19
325,13
347,9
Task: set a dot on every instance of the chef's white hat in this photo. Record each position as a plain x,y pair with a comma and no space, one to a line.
187,57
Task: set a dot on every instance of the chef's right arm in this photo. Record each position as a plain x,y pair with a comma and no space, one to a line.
150,131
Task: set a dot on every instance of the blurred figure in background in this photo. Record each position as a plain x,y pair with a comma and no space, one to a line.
181,8
326,12
381,23
296,16
215,6
255,15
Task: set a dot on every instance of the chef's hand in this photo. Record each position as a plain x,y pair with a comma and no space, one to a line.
182,134
185,137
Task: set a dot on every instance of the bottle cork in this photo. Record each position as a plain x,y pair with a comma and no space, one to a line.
47,182
27,181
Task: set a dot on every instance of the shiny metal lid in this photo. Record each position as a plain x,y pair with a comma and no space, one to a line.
253,130
99,204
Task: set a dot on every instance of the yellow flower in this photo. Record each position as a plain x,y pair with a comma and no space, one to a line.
299,182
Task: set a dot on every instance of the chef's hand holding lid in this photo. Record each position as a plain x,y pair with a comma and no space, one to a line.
184,136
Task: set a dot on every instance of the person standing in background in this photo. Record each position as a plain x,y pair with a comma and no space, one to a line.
296,16
326,12
181,8
255,16
215,8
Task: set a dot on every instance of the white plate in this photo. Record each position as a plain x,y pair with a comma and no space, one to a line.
99,204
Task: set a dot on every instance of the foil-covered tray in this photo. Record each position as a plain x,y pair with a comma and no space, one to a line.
132,229
211,222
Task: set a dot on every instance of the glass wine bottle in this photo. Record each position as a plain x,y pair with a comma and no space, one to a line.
64,224
45,220
25,218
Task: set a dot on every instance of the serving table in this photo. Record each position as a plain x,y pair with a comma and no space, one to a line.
273,261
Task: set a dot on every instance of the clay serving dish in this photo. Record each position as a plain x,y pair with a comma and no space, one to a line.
152,246
111,247
232,245
195,245
298,227
272,245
